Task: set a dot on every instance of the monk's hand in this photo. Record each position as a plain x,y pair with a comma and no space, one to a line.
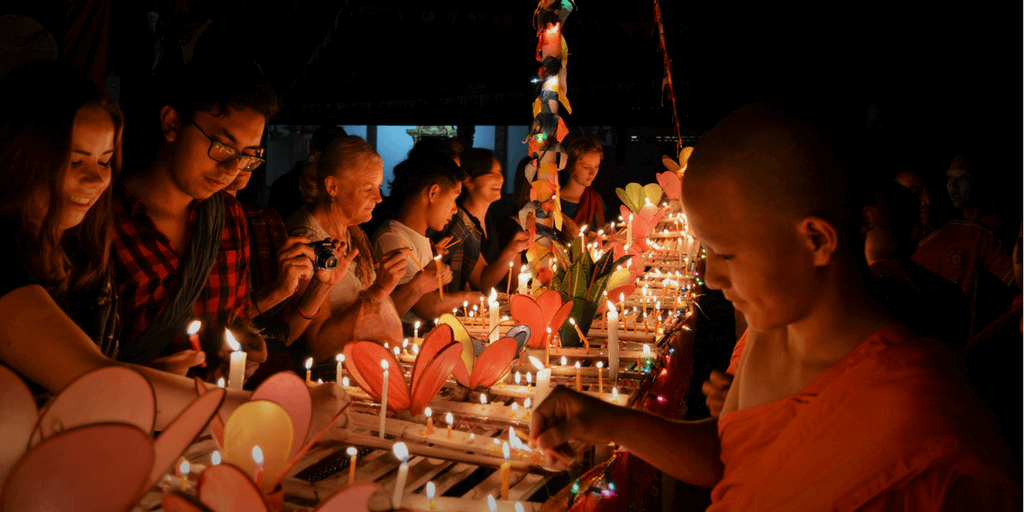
566,414
715,389
179,363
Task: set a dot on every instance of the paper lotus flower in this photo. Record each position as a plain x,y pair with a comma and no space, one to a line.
548,311
437,359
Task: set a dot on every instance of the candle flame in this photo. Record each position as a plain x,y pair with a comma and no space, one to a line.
396,351
340,358
615,394
384,364
526,403
564,361
519,507
426,412
344,382
515,407
184,467
230,338
518,379
401,451
536,362
577,365
193,327
405,343
449,419
257,455
309,363
491,504
417,324
430,491
351,451
493,297
529,378
319,381
611,308
505,451
220,382
215,458
647,350
483,399
416,350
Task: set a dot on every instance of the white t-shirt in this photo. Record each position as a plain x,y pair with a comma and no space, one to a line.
345,293
389,237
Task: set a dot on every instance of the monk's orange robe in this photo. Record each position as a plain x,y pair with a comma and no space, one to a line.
892,426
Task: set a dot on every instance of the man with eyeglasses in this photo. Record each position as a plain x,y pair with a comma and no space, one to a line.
180,246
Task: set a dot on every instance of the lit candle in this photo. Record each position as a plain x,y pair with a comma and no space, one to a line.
405,346
508,282
529,379
430,421
492,506
543,382
352,452
215,458
564,361
524,280
505,466
479,314
613,342
519,507
402,454
492,314
257,457
483,402
193,338
579,386
580,334
339,372
547,349
465,307
344,382
451,421
515,408
440,285
600,378
615,396
526,405
416,332
517,378
396,352
220,382
430,495
236,372
309,370
183,469
383,399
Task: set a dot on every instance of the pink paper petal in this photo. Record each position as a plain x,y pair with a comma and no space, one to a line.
559,317
216,423
549,302
20,418
173,441
671,184
114,394
493,363
526,311
436,340
290,392
98,468
225,488
363,360
350,498
176,502
434,377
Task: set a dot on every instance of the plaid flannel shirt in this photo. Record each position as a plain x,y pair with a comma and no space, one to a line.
146,268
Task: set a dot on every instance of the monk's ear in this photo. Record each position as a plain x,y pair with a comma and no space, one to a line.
170,122
868,219
820,237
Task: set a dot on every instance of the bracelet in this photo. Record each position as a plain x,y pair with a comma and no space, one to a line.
298,308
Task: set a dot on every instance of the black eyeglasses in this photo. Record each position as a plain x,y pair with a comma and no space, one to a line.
223,153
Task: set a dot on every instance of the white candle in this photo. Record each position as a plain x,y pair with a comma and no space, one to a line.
543,382
416,332
339,372
383,399
492,315
236,372
613,342
402,453
524,280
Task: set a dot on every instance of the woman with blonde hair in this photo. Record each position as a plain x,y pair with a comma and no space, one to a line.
341,186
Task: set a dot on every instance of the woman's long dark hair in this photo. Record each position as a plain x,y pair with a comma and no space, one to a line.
36,123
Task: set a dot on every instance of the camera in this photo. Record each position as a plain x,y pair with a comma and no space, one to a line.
323,255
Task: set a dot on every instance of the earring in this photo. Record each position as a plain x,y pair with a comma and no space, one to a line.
332,202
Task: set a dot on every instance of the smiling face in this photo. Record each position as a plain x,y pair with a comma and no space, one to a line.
193,172
754,257
88,173
487,187
360,191
586,167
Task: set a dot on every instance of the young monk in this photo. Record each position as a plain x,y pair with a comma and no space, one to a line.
834,406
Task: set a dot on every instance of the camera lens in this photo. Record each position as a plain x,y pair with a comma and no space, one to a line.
323,255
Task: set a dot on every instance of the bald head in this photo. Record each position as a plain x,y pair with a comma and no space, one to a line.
781,165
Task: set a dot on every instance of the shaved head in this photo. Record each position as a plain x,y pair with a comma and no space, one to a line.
780,163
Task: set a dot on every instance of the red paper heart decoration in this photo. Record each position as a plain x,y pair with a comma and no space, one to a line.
438,356
547,311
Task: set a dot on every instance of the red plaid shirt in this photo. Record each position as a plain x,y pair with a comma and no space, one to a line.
146,267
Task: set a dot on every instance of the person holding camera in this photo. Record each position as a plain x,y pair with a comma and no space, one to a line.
277,264
341,186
